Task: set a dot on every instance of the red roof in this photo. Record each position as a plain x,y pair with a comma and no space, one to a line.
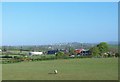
78,50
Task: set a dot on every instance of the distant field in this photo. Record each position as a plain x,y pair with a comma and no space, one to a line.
68,69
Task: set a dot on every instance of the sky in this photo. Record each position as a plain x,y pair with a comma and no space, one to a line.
39,23
0,24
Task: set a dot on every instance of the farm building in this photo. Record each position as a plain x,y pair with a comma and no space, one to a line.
52,51
64,50
0,50
82,52
85,52
35,53
55,51
78,51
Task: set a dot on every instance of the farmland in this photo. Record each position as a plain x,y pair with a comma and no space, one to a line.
68,69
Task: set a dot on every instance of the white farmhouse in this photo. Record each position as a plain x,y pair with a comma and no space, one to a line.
0,50
35,53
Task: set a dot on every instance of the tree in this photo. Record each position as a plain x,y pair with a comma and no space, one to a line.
4,49
103,48
95,51
117,54
60,54
72,51
21,49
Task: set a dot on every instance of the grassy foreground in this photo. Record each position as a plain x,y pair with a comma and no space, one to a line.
68,69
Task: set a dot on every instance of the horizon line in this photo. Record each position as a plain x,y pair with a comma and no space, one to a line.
116,42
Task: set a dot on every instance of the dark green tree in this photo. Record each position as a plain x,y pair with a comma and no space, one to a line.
60,54
103,48
4,49
95,51
117,54
72,51
21,49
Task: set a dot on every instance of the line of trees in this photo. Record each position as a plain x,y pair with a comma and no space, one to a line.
102,50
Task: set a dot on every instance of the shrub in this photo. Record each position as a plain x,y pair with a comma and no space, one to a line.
60,54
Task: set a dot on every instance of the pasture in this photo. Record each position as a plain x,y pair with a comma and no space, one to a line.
68,69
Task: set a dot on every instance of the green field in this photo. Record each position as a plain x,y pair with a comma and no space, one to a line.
68,69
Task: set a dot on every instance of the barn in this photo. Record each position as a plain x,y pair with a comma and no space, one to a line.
85,53
35,53
78,51
52,51
82,52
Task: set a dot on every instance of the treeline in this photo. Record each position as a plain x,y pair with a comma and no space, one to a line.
17,59
100,50
104,50
74,45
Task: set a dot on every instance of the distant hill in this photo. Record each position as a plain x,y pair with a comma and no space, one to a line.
67,45
113,43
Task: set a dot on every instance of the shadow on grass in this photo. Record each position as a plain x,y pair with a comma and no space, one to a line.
51,73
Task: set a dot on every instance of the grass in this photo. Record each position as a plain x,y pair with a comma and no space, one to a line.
68,69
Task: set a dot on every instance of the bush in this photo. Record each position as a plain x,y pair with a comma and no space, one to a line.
60,54
117,54
6,56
